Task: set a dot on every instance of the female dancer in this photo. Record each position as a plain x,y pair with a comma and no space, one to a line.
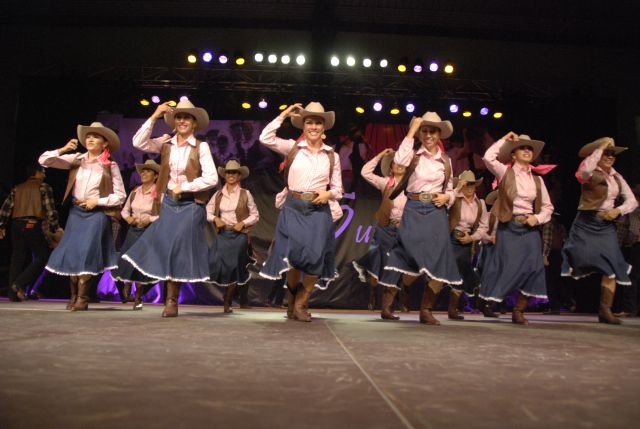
523,203
139,211
388,217
593,246
305,237
174,247
232,211
422,245
87,247
468,224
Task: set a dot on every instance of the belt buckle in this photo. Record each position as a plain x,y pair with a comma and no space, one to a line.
458,233
521,219
425,197
307,196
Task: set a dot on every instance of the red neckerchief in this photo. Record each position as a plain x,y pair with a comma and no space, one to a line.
540,169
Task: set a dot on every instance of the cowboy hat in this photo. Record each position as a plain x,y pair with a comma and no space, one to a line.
233,165
186,106
469,177
588,149
523,140
385,164
314,109
96,127
433,119
149,164
491,197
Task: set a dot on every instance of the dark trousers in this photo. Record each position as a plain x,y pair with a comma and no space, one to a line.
629,294
27,242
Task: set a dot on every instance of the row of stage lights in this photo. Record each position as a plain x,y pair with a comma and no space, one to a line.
403,65
377,106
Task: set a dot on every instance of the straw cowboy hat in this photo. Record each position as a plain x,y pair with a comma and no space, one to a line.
149,164
509,146
96,127
588,149
469,177
385,164
186,106
233,165
433,119
314,109
491,197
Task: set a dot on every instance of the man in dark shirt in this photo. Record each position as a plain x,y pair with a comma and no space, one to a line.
28,205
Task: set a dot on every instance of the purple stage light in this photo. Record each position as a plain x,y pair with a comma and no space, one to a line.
484,111
184,98
453,108
417,68
410,107
155,99
377,106
262,104
223,59
433,66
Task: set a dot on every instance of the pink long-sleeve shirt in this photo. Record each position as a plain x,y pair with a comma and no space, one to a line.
87,185
468,214
585,171
178,158
141,206
310,169
228,205
381,183
525,185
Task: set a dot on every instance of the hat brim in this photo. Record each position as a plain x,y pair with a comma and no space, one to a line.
329,119
509,146
109,135
491,197
140,167
385,164
445,127
589,148
201,116
244,171
476,182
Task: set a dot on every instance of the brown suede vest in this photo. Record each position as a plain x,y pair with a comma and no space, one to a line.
105,188
27,200
594,192
412,168
383,215
492,223
455,213
155,207
242,209
291,156
507,192
193,170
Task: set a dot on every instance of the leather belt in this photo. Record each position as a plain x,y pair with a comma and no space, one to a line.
394,223
184,196
424,197
522,219
304,196
459,233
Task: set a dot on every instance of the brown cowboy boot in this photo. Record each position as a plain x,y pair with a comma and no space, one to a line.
228,298
454,299
388,293
73,287
606,301
171,303
300,307
403,299
372,298
82,300
518,310
137,303
428,300
291,301
485,308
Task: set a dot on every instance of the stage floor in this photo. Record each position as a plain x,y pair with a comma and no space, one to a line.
112,367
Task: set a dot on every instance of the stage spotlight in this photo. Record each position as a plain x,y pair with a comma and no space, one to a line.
433,66
184,98
351,61
383,63
272,58
172,103
192,58
394,110
497,115
448,68
366,62
360,110
258,57
263,104
377,106
223,58
484,111
246,105
402,65
466,114
335,61
418,66
144,102
155,99
207,57
240,60
285,59
454,108
300,60
282,107
410,107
